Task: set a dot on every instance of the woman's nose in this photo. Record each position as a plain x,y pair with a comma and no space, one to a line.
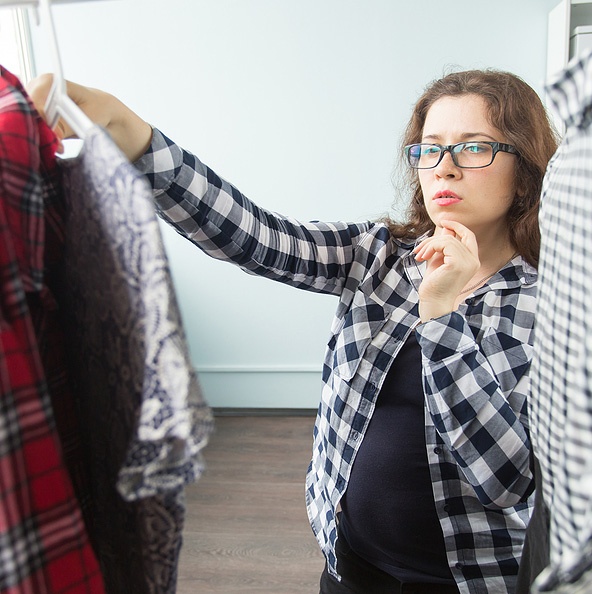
447,167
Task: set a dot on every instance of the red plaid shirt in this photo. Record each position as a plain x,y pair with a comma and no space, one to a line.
44,547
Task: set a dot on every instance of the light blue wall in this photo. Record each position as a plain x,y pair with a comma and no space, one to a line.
300,103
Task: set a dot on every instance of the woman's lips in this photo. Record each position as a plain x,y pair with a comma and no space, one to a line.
446,201
445,198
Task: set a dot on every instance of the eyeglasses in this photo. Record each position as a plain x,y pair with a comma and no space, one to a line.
467,155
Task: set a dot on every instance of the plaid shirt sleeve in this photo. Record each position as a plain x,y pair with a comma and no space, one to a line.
226,225
470,409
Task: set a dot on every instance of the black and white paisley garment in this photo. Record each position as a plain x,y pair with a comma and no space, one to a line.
144,419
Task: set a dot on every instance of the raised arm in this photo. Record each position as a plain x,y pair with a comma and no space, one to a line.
212,213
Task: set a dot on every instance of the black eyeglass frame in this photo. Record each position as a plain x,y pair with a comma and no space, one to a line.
495,146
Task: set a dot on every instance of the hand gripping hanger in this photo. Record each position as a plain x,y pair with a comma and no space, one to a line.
58,104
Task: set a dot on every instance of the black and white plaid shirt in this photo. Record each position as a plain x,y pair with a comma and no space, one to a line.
561,401
475,360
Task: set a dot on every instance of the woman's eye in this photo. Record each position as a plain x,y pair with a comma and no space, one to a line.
474,148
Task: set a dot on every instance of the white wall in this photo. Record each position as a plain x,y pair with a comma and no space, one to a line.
300,103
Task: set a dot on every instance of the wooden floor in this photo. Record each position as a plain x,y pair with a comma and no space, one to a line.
246,527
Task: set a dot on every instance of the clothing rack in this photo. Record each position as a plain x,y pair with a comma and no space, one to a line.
33,3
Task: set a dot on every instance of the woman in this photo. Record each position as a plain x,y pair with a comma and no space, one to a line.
421,438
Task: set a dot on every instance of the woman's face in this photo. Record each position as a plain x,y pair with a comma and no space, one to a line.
477,198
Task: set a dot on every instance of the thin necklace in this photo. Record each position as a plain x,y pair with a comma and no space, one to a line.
487,277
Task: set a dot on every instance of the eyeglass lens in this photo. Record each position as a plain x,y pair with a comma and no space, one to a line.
465,154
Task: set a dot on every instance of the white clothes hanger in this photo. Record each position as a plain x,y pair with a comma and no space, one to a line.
58,103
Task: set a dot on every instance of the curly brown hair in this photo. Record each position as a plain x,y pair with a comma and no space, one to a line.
515,109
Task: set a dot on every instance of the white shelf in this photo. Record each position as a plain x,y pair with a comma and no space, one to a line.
563,19
558,32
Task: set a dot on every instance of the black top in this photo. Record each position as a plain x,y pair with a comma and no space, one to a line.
388,512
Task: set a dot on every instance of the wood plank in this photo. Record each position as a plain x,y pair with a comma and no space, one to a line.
246,528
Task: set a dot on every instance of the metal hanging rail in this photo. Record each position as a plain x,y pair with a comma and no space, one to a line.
33,3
